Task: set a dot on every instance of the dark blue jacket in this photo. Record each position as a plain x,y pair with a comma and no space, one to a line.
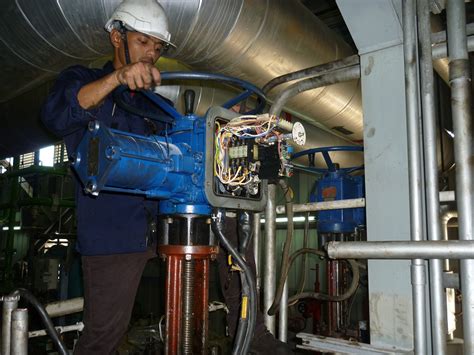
110,223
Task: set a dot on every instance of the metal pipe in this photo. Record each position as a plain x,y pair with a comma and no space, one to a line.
10,303
439,249
325,205
238,44
19,337
269,271
437,295
79,327
256,248
312,72
448,280
418,272
444,196
460,82
336,76
445,218
439,37
62,308
283,315
441,50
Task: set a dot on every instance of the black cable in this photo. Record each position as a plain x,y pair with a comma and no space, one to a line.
246,327
28,296
245,230
245,235
117,95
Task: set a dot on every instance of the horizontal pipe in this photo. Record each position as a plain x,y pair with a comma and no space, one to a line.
61,329
434,249
62,308
325,205
440,36
444,196
440,50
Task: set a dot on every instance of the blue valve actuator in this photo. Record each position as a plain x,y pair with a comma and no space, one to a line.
155,166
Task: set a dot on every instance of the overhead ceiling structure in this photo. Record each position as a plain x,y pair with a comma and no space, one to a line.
253,40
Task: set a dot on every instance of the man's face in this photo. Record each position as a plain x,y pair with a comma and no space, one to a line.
142,48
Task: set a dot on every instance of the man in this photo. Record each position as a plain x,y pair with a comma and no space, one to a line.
115,231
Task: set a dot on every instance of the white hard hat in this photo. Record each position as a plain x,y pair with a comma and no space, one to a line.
145,16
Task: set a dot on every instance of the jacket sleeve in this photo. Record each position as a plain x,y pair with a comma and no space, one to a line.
61,113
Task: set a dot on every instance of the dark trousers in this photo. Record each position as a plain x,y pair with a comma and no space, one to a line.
110,287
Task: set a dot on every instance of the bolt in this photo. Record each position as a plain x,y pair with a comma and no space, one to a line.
169,220
213,256
188,257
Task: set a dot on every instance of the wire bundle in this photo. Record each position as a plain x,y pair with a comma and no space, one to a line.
244,127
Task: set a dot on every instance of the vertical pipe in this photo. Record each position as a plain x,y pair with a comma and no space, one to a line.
460,81
10,303
283,315
447,216
438,298
19,337
9,252
418,272
269,271
256,248
451,318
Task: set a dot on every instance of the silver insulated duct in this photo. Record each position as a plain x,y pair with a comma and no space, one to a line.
255,40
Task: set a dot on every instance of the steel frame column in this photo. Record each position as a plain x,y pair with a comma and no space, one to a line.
377,32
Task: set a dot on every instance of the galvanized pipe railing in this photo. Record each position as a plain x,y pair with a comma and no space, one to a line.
460,82
440,50
415,172
322,206
438,300
440,249
444,196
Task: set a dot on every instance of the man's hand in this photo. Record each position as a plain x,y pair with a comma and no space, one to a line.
140,75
